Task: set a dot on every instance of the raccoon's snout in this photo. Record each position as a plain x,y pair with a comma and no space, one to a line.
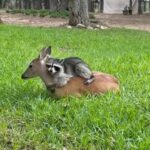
50,70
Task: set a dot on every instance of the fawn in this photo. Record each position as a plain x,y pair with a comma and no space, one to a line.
102,83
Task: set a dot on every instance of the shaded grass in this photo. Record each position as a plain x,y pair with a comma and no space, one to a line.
29,119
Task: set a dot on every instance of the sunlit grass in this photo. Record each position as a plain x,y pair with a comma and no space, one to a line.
30,119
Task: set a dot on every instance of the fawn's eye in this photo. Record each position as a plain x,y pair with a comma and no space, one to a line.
48,65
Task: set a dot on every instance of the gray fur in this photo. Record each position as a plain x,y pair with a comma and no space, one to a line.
57,73
72,66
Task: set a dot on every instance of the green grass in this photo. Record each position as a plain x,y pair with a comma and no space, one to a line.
30,119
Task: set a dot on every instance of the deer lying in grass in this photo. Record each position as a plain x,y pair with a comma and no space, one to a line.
102,83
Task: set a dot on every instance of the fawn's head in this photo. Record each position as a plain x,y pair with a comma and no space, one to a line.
37,66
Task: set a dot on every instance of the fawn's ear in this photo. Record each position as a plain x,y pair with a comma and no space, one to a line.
45,52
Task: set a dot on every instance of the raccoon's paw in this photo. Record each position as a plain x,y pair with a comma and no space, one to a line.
89,81
68,77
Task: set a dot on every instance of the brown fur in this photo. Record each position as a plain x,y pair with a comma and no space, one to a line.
103,83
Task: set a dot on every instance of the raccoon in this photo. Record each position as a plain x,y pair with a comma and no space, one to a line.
72,66
60,78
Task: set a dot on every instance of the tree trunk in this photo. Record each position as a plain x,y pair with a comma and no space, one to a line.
0,3
7,5
17,4
37,4
1,21
49,6
32,4
52,5
11,4
22,4
43,5
74,7
58,5
78,12
84,16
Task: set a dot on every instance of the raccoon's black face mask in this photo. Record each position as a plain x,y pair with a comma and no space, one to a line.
53,68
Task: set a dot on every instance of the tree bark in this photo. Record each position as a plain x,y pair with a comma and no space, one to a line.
84,15
43,5
22,4
49,4
1,21
58,5
0,3
37,4
32,4
12,4
78,12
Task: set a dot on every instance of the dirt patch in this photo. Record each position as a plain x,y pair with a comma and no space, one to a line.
141,22
20,19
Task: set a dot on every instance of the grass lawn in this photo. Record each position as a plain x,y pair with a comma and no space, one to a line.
30,119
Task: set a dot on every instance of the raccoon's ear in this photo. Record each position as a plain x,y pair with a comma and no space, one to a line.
45,52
